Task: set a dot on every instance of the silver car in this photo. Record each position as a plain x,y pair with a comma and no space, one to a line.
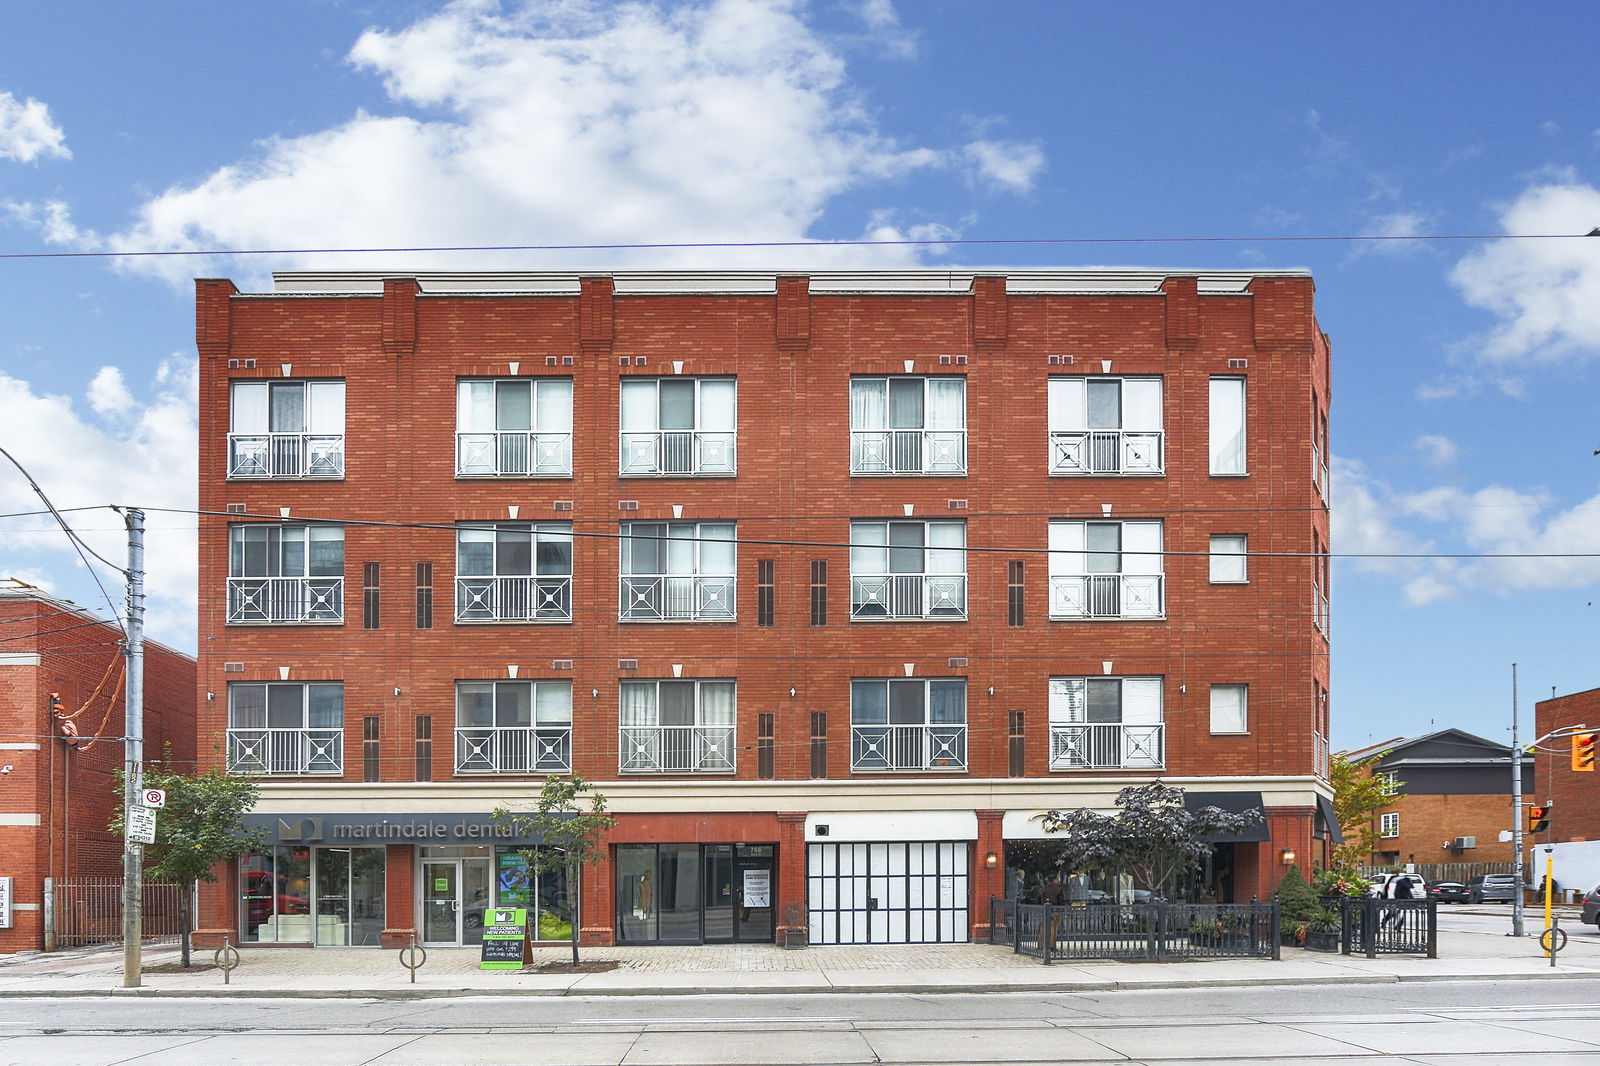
1591,906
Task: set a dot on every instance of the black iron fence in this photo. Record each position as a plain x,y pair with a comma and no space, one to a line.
1373,927
88,910
1135,932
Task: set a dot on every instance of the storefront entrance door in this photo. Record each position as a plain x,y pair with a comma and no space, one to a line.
454,895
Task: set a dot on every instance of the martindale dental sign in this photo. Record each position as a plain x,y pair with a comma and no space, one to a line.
385,829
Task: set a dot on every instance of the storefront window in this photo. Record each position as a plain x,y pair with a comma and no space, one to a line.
300,895
546,895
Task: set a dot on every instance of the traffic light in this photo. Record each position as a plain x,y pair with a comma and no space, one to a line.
1538,819
1583,752
56,706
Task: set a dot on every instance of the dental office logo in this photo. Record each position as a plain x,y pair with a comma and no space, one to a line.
301,829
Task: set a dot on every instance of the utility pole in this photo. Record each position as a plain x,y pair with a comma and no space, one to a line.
133,752
1516,810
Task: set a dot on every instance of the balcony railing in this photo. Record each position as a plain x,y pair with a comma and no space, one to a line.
513,453
908,747
675,749
286,751
1321,612
1107,596
270,455
1107,746
908,451
909,596
514,599
678,451
1106,451
677,599
513,749
285,599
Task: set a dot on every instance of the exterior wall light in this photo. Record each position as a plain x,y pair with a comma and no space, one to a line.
991,860
1287,856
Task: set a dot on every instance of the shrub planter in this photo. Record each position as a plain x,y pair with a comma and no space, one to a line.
1328,941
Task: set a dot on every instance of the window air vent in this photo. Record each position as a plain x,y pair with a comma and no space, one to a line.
961,360
627,505
945,360
233,668
249,364
958,662
1060,360
563,505
566,360
956,505
233,364
561,664
1238,364
236,508
627,664
623,360
640,360
549,360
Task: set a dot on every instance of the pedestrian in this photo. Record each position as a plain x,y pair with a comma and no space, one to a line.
1399,887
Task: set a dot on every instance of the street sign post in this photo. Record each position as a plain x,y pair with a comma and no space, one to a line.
155,797
142,825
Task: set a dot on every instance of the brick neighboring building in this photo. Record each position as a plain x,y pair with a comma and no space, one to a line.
57,793
1573,796
1456,790
460,530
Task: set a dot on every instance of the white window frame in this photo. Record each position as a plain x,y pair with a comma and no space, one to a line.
881,744
1389,825
538,741
696,581
1080,589
1131,445
507,593
1230,716
883,587
489,445
1134,740
707,447
287,589
705,743
932,445
1229,556
270,440
275,739
1228,433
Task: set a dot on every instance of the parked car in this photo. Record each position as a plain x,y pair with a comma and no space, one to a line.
1383,887
1448,891
1500,888
1591,906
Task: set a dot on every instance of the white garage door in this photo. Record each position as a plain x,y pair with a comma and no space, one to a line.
894,893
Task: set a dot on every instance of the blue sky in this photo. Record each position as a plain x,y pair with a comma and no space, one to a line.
1465,408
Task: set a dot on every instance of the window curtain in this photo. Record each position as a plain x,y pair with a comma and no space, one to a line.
554,406
552,704
325,554
247,706
947,543
474,551
1228,708
947,403
248,409
1141,700
1067,404
637,705
1066,549
947,702
1227,426
869,404
553,551
1141,404
716,406
1141,546
716,549
474,406
325,405
287,408
868,548
638,406
716,703
869,703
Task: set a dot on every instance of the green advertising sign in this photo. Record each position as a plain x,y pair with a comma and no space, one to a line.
504,930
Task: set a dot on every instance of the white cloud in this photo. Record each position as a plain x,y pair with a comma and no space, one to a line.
52,218
578,123
1544,291
27,132
1403,224
1363,521
108,393
1437,450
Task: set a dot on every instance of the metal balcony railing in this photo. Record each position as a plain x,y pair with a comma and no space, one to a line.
675,749
678,451
513,749
514,599
285,599
1107,596
909,596
908,747
676,599
908,451
1107,746
286,455
1107,451
513,453
286,751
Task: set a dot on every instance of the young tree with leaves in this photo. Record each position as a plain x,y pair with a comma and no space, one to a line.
201,825
1358,794
570,822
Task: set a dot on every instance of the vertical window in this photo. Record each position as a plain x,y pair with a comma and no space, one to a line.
286,728
371,750
1227,426
513,727
514,572
518,427
1016,753
1014,598
1228,558
424,744
1229,710
424,595
1389,824
1106,723
765,745
678,425
908,724
908,569
1107,570
369,596
1101,425
677,571
908,425
677,726
765,592
819,592
819,744
286,429
285,573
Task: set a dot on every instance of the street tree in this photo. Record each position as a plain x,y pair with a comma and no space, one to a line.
570,822
1358,794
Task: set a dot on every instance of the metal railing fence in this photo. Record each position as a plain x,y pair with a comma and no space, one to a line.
88,910
1135,932
1373,927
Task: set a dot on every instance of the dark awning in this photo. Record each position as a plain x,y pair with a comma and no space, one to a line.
1329,822
1234,803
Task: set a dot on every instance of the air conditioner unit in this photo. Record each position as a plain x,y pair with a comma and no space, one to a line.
1464,843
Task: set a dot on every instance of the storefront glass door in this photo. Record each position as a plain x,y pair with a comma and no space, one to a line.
441,902
689,893
753,886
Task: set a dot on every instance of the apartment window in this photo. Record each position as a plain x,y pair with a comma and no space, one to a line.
1104,425
677,571
1321,611
1228,559
514,572
370,592
513,727
516,427
677,727
819,744
1227,426
286,728
819,592
1016,751
1106,570
1319,447
908,570
1229,709
908,425
283,573
908,724
678,426
422,735
1106,723
765,746
424,595
371,749
1389,824
286,429
766,594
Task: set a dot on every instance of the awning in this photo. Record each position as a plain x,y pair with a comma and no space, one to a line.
1234,803
1329,822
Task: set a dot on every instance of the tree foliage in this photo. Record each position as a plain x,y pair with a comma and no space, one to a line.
1153,836
1296,901
1358,794
570,821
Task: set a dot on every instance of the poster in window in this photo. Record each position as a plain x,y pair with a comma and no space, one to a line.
758,888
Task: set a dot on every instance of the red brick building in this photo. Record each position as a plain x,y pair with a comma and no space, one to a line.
57,784
1572,795
832,584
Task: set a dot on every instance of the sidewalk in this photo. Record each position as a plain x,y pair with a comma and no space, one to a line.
763,968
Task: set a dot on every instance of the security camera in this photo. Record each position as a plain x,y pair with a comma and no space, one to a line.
5,769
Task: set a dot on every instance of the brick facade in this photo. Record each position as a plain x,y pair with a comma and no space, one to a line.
1574,796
